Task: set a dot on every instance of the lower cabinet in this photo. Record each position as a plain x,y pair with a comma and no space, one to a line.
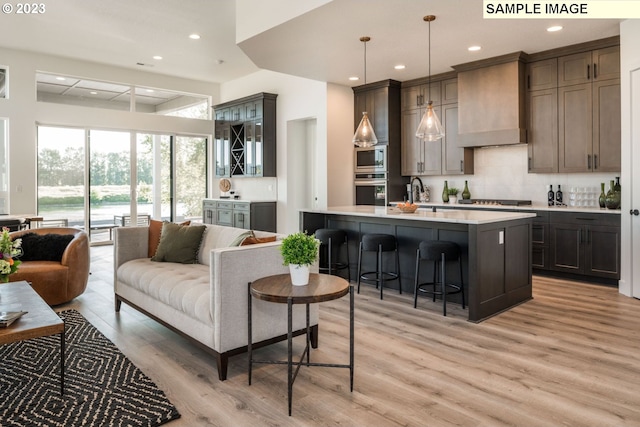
248,215
585,244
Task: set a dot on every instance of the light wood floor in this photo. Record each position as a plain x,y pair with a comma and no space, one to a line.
569,357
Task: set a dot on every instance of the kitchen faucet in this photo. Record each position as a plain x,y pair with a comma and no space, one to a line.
420,189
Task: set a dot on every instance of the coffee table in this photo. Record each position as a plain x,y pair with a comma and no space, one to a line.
40,320
278,289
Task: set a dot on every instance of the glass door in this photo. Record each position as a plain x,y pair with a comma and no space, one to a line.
153,175
190,177
109,183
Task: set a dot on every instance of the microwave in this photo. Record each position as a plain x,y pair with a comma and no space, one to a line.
371,159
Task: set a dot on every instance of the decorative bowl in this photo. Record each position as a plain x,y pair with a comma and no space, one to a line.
408,208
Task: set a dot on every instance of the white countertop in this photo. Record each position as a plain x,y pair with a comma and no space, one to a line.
533,207
442,215
219,199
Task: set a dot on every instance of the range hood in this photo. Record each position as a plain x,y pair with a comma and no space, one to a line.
491,101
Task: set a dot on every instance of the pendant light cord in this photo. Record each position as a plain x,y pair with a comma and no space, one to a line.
429,60
365,62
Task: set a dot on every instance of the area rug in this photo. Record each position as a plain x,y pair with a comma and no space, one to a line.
102,386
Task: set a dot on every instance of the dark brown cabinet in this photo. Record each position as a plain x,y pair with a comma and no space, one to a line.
542,116
585,244
540,240
240,214
591,66
245,137
443,157
381,101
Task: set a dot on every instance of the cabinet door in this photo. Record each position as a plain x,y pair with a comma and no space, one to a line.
432,157
241,219
224,217
411,148
606,126
575,128
575,69
567,249
606,63
411,97
379,113
542,131
223,114
238,160
542,74
603,251
456,160
253,146
253,110
222,150
449,91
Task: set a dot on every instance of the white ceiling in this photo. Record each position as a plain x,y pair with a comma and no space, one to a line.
322,44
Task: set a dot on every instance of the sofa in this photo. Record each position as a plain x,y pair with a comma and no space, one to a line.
55,261
206,301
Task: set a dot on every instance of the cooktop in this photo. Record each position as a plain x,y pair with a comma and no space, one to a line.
501,202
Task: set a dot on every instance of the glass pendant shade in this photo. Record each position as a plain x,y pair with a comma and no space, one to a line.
430,128
365,136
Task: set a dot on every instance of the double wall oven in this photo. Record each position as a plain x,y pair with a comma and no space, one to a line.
371,176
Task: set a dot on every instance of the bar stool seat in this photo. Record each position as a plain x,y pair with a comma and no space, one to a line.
438,251
379,243
333,239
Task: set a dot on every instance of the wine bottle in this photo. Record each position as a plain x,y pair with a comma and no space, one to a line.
559,196
551,196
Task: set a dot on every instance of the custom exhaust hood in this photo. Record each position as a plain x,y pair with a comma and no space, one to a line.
491,101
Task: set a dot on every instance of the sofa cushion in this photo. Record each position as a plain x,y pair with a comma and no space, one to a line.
219,236
184,287
44,247
179,243
155,230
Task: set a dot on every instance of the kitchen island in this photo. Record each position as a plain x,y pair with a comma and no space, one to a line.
496,248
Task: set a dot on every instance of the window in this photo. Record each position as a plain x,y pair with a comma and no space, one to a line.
3,82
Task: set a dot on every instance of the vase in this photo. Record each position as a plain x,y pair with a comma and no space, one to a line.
445,193
612,200
299,274
603,196
466,194
616,186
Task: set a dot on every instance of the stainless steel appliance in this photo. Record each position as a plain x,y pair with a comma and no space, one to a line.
371,189
371,159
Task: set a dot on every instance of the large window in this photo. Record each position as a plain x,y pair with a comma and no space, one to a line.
85,176
4,169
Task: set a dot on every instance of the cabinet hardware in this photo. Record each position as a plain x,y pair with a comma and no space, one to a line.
588,161
588,70
595,156
634,212
595,71
461,165
529,167
585,219
528,82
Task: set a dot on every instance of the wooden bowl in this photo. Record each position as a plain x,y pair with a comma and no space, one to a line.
408,209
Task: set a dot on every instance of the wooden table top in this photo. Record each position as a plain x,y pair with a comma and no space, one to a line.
278,288
40,320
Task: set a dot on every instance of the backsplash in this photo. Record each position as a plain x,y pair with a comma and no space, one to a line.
254,189
501,173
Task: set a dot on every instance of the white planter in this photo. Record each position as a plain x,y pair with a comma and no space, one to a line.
453,199
299,274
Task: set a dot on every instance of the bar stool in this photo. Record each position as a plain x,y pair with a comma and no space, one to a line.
379,243
333,239
438,251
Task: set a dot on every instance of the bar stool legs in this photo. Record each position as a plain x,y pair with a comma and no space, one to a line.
379,243
333,239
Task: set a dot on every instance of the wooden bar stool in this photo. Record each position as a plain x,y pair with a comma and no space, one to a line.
438,251
379,243
333,240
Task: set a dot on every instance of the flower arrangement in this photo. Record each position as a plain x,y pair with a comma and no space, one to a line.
9,251
299,248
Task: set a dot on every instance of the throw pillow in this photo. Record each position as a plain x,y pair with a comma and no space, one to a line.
155,229
44,247
179,243
252,240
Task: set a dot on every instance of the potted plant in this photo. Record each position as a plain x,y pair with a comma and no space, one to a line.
299,251
453,195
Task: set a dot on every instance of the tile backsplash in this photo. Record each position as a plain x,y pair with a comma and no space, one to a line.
501,173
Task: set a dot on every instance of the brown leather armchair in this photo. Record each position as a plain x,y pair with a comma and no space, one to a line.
57,282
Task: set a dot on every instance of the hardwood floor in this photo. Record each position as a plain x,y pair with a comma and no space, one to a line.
569,357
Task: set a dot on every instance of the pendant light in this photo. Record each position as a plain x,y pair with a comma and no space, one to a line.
430,128
365,136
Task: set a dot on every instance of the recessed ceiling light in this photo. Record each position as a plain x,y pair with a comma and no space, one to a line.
150,90
554,28
194,36
474,48
400,67
354,78
61,79
93,92
158,57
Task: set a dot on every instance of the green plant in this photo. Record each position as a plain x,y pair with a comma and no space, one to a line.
299,248
453,191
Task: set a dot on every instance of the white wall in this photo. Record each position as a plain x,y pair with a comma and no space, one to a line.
340,149
501,173
298,100
24,113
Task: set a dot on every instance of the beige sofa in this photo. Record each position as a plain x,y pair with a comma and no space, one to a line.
206,302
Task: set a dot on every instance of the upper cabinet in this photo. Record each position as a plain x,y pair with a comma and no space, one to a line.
245,137
445,156
381,101
587,67
491,101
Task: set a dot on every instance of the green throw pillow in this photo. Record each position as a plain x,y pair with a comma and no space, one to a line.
179,243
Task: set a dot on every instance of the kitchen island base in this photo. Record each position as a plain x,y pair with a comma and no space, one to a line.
496,252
